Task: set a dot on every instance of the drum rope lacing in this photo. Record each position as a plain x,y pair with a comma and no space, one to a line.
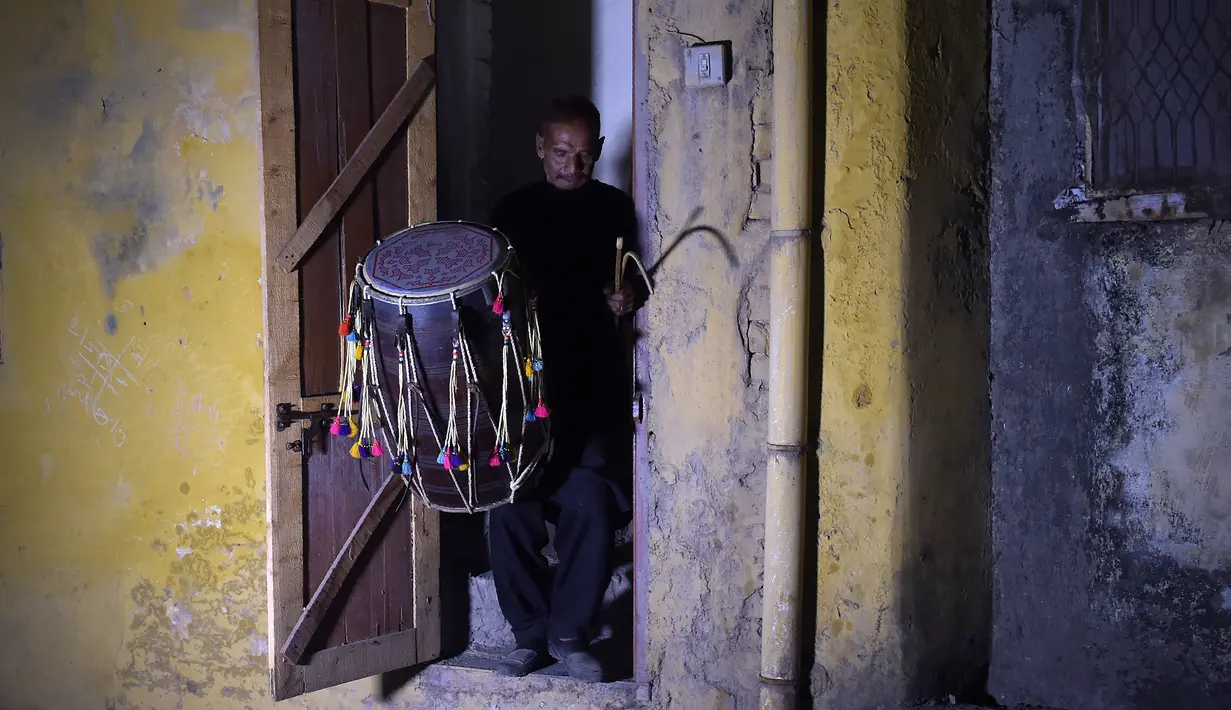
358,331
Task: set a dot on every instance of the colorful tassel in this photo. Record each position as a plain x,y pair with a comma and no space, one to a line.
406,468
541,410
335,427
442,459
344,329
349,428
358,351
494,461
354,450
377,449
530,415
351,337
498,306
538,365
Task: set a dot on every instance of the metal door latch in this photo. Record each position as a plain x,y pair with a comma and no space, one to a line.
317,423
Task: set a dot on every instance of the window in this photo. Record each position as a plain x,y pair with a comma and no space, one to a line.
1155,94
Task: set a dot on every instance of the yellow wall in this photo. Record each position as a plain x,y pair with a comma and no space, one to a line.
132,517
902,588
865,406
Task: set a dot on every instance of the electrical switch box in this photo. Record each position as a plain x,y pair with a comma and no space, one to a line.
706,64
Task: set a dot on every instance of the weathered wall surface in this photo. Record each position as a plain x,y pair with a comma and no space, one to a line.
706,340
131,518
132,523
903,589
904,608
1113,574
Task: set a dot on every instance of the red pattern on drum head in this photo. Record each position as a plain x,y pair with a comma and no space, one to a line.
432,258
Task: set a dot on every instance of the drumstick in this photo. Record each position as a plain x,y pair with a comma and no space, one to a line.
619,260
619,268
622,260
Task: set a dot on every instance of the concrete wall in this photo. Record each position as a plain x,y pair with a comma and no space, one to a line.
905,566
1110,392
131,507
132,563
902,565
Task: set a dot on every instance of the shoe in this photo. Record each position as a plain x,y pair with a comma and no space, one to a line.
520,663
577,659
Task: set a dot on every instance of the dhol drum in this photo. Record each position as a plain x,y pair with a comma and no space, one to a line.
443,368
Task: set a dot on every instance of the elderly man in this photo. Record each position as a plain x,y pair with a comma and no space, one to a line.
563,229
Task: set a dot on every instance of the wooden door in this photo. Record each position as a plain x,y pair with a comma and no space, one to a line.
329,68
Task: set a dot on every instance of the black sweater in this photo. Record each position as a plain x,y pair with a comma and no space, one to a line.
565,241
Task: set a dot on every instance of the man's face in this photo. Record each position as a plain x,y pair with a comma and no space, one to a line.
568,152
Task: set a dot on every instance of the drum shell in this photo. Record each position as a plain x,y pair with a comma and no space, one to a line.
433,327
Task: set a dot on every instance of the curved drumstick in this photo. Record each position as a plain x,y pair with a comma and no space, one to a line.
621,263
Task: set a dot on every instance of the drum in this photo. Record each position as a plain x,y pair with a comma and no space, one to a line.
443,370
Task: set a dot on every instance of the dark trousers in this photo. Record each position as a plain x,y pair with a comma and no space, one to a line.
564,607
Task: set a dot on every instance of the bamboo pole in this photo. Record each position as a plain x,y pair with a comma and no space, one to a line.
788,345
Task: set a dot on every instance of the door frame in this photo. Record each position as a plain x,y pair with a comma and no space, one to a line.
642,471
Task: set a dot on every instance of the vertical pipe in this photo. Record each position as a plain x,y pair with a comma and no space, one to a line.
788,344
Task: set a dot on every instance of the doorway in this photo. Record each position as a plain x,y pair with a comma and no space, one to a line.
499,66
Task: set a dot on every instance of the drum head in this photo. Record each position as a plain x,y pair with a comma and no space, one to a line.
434,262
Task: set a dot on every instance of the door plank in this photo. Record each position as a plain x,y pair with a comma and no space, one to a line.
409,98
357,220
283,482
354,122
422,202
393,489
319,279
361,659
317,116
421,47
389,71
387,59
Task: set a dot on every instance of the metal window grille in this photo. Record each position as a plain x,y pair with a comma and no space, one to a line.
1158,87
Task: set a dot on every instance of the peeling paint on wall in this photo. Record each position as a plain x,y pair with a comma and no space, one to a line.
193,631
136,177
133,566
705,415
132,401
1110,397
1167,380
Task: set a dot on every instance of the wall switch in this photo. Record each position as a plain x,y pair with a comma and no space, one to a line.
706,64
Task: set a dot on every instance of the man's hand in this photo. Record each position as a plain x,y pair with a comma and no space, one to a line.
620,302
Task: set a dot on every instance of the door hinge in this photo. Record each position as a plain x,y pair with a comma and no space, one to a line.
638,407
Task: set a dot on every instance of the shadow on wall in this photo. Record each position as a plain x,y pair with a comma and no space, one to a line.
945,602
816,349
